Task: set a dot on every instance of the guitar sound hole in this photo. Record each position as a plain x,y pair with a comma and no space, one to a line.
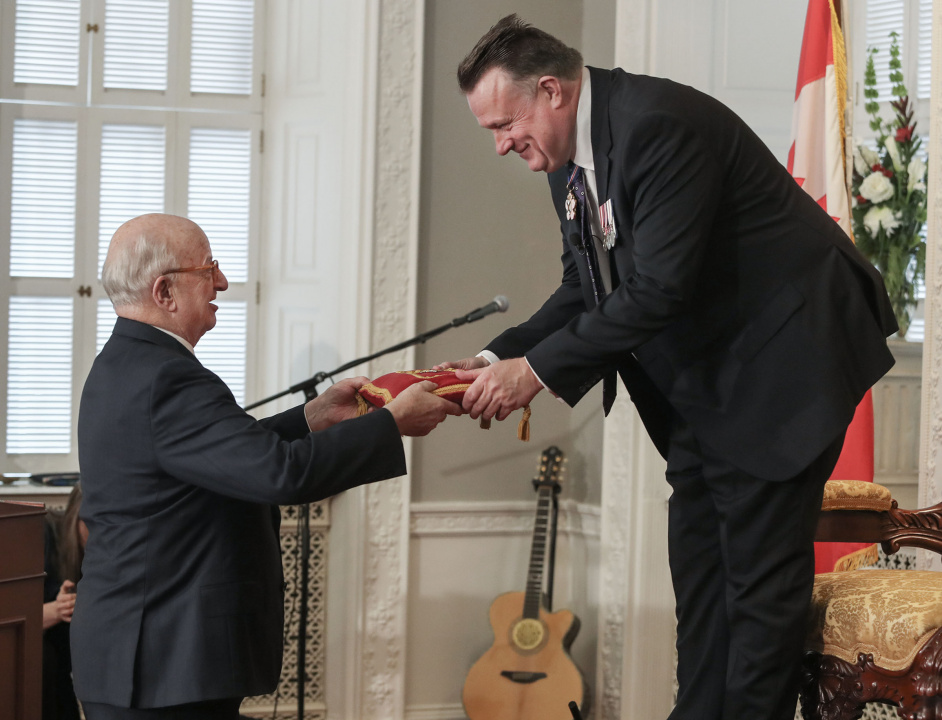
528,634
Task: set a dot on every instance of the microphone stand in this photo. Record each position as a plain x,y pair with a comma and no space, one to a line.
309,388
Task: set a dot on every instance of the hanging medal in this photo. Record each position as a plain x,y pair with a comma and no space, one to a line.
607,217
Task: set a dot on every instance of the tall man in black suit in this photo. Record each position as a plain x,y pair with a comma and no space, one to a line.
180,607
743,322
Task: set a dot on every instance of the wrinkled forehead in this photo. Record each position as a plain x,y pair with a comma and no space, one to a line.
496,98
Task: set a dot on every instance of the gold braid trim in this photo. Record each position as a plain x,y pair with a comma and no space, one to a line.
840,80
857,559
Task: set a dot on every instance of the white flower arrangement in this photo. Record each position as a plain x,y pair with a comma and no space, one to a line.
889,193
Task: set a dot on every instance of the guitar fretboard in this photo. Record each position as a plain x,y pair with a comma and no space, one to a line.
532,599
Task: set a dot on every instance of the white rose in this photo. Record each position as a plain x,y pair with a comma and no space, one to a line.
916,172
876,187
893,150
870,156
877,216
860,165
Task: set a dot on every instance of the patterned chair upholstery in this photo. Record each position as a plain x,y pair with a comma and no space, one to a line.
874,635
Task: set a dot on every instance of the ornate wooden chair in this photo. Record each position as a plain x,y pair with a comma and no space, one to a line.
875,635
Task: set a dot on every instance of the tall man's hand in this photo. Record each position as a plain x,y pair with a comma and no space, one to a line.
499,389
337,403
417,411
466,364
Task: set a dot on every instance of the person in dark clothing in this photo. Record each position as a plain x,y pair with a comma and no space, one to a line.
64,546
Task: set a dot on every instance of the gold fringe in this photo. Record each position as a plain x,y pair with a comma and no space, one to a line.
857,559
840,80
362,406
523,429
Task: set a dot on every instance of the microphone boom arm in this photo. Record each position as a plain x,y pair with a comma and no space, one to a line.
309,386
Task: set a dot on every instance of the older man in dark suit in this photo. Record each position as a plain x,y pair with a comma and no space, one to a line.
180,608
743,322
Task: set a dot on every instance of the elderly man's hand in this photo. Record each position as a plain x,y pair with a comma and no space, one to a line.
417,411
499,389
337,403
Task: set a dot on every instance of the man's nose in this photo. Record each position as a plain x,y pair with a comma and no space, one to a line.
504,143
221,281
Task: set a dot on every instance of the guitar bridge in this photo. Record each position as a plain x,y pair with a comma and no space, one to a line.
524,678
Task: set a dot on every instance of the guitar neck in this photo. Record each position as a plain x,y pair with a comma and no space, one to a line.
534,592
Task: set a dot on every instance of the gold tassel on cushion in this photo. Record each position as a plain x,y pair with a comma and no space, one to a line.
858,559
485,424
523,429
362,405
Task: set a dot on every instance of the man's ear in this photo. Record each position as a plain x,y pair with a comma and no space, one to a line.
162,294
552,88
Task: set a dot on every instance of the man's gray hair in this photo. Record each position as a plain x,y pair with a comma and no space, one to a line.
130,269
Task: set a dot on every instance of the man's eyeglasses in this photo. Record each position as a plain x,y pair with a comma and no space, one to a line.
214,266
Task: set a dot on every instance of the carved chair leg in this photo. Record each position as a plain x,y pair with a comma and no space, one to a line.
830,689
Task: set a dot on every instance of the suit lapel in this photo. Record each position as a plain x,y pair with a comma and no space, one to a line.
601,132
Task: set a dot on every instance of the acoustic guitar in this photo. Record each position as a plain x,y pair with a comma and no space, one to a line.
527,673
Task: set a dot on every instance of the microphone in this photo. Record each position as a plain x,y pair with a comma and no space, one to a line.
498,304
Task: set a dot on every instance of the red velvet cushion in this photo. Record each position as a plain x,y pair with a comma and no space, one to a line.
383,389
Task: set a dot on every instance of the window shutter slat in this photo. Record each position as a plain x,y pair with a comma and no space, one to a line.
46,42
924,61
136,44
42,207
219,192
883,17
222,46
39,375
132,177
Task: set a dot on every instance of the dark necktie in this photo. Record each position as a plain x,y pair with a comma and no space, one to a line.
587,247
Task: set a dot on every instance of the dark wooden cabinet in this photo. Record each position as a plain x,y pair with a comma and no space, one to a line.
21,610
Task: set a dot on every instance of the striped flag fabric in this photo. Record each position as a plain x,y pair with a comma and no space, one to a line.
817,161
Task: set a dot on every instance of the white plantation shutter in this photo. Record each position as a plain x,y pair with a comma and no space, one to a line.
222,349
222,46
39,375
884,17
133,160
923,84
142,115
42,211
219,191
136,44
46,46
104,323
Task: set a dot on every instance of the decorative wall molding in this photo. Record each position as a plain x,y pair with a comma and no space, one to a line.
636,603
499,518
451,711
896,403
391,317
930,470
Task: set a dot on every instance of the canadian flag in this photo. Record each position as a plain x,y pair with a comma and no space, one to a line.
816,160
